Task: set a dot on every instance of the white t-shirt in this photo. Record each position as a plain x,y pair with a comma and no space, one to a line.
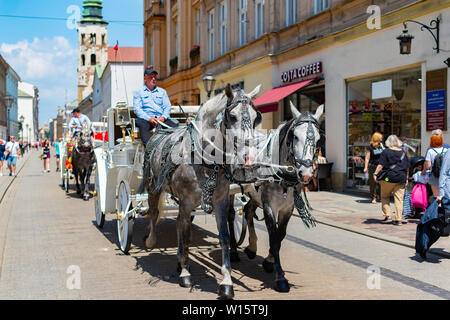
12,147
433,152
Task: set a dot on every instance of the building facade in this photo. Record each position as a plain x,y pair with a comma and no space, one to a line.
12,85
3,112
28,107
92,45
343,54
123,74
172,39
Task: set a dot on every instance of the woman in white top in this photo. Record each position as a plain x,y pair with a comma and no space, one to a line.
436,147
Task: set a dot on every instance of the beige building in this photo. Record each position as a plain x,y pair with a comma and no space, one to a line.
3,70
343,54
172,45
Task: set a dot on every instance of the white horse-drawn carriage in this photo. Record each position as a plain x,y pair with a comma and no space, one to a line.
119,175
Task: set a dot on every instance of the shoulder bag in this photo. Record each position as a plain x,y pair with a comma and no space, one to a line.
382,175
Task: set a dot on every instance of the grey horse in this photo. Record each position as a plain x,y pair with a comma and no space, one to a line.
196,169
83,160
297,147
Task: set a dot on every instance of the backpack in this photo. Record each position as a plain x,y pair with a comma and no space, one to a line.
437,163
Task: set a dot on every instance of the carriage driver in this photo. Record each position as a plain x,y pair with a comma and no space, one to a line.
77,121
151,103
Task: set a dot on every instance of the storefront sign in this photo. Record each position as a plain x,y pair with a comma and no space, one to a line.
302,72
436,107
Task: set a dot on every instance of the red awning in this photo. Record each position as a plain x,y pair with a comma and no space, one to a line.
273,96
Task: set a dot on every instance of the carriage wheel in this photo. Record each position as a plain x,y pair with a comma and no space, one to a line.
240,227
99,214
124,224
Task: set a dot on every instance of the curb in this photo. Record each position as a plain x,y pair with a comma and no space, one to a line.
370,234
15,176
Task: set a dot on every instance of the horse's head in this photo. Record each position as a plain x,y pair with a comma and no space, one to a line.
301,141
84,143
239,120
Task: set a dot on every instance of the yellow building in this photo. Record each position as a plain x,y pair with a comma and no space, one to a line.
172,46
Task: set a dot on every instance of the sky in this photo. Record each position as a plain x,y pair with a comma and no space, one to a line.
44,52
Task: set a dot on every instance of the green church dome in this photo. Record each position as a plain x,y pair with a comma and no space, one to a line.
92,12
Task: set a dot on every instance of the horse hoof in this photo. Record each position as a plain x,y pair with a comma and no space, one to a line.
78,191
86,198
268,266
250,254
282,285
234,257
185,282
226,292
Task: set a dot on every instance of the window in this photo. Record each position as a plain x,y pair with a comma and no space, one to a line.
93,60
83,60
321,5
93,39
151,49
103,39
223,28
197,27
291,12
259,18
175,39
242,22
83,36
211,34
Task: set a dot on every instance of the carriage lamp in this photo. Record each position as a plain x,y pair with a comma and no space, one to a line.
405,39
209,81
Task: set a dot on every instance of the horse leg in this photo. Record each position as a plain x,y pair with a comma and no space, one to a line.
75,173
153,212
234,256
276,234
249,211
82,180
184,237
226,291
86,187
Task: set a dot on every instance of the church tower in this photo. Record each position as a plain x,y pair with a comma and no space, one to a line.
92,45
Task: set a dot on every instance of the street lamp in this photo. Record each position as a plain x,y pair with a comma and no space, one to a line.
21,119
9,100
209,81
405,38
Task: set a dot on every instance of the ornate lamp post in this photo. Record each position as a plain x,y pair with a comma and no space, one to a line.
9,100
405,39
209,81
21,119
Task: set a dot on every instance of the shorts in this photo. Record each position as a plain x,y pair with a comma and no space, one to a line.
2,157
12,160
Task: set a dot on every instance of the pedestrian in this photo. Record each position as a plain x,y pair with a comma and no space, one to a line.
2,155
392,175
373,153
439,132
57,154
46,155
436,148
13,150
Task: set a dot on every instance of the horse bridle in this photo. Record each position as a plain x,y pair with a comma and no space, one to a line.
309,141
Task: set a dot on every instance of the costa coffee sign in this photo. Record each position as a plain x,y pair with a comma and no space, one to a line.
302,72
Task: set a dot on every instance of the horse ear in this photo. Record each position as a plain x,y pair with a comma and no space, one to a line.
229,92
319,112
254,92
294,110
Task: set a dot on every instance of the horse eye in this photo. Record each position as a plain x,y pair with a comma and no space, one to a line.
233,118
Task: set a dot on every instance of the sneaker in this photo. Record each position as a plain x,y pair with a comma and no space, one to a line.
1,174
374,201
48,170
397,223
10,174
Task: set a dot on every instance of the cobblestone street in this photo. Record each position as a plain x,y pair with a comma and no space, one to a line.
45,233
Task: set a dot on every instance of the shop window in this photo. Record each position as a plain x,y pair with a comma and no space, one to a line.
321,5
291,12
389,104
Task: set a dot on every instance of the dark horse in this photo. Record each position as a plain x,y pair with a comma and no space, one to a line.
294,144
83,160
204,180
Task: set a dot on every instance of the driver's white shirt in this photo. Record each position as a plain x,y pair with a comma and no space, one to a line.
78,122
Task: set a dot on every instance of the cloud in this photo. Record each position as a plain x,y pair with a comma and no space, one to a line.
48,63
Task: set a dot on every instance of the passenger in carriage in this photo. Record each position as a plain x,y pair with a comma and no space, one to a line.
151,103
77,121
